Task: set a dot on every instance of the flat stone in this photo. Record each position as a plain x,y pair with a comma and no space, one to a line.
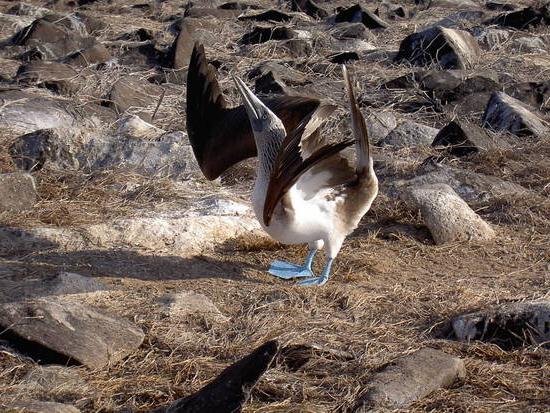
41,407
411,378
57,77
24,112
509,325
446,215
357,13
231,389
72,330
504,113
462,138
189,303
135,94
17,191
449,48
409,133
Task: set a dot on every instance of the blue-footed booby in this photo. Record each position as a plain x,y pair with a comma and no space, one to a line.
221,136
305,191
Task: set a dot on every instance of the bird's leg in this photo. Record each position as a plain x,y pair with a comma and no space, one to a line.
287,270
322,279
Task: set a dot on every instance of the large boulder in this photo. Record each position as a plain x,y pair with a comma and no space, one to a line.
448,48
135,95
446,215
504,113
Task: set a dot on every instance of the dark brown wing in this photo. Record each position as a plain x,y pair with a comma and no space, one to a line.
290,166
220,136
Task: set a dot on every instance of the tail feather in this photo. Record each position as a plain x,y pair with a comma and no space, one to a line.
360,133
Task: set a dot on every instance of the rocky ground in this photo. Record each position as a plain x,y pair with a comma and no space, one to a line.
128,282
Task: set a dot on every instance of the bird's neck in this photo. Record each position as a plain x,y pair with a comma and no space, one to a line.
268,146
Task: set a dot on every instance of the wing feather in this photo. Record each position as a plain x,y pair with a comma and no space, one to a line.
290,166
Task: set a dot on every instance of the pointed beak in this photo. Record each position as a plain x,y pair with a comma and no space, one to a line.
254,106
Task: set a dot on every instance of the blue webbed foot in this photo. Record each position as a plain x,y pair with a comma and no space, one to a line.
313,281
287,270
319,280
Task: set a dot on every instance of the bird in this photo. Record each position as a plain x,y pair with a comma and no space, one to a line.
221,136
305,191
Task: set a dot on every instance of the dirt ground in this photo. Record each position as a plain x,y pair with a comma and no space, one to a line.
391,292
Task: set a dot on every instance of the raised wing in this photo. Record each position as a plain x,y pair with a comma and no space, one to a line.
221,136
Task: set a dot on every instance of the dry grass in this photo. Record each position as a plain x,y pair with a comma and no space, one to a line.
391,290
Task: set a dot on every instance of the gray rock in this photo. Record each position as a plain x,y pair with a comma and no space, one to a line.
449,48
17,191
72,330
281,71
152,152
189,303
508,325
40,407
530,45
23,112
347,30
57,77
463,138
136,96
379,124
410,378
63,283
446,215
181,49
409,133
471,186
504,113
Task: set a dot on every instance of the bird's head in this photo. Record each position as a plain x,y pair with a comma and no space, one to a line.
262,119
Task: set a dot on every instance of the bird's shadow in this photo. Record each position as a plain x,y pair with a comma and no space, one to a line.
41,259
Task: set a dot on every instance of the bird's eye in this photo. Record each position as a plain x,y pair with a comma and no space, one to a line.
264,116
